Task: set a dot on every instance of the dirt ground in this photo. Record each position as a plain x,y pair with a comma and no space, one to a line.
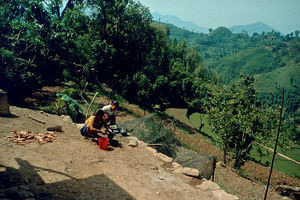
72,167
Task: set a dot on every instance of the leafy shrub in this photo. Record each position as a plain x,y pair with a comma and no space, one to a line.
66,105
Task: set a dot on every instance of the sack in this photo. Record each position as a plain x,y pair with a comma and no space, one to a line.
83,131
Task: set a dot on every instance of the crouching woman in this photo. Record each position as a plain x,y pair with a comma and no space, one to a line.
93,125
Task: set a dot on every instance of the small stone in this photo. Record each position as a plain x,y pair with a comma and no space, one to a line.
133,142
154,168
151,150
220,164
208,185
177,170
67,118
55,128
222,195
176,165
190,171
164,157
161,178
141,143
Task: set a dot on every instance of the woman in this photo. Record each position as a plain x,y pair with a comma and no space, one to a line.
93,125
110,112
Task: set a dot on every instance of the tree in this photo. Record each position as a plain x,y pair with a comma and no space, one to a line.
199,102
297,33
240,120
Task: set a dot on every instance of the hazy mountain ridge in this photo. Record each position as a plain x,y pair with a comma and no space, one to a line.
191,26
257,27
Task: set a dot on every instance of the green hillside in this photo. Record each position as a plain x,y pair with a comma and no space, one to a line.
269,86
274,59
252,61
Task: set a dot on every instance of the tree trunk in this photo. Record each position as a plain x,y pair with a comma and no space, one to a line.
4,106
224,157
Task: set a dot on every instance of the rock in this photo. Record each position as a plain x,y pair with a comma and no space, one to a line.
164,157
4,106
220,164
151,150
178,170
222,195
141,143
55,128
133,142
204,163
290,191
190,171
67,118
176,165
208,185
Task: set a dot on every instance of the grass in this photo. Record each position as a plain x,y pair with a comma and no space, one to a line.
281,164
194,121
293,153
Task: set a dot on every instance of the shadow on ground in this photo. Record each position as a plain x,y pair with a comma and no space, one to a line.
25,183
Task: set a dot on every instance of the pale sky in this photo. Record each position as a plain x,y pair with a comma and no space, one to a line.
282,15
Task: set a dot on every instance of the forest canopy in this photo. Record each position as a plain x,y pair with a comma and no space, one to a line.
112,42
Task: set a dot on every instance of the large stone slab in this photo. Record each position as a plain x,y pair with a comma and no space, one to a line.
205,164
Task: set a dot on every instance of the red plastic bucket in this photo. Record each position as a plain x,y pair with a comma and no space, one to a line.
103,142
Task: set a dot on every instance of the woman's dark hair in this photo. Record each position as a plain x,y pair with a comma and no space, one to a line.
115,103
99,112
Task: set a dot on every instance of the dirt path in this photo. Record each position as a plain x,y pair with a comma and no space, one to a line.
272,150
75,168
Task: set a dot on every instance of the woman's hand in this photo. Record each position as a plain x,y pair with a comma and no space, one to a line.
103,132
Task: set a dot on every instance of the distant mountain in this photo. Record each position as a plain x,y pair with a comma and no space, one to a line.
178,22
257,27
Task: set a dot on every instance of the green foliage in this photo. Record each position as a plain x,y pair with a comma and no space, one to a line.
240,120
263,55
65,104
269,87
116,43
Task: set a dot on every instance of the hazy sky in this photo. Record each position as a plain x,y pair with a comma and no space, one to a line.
282,15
